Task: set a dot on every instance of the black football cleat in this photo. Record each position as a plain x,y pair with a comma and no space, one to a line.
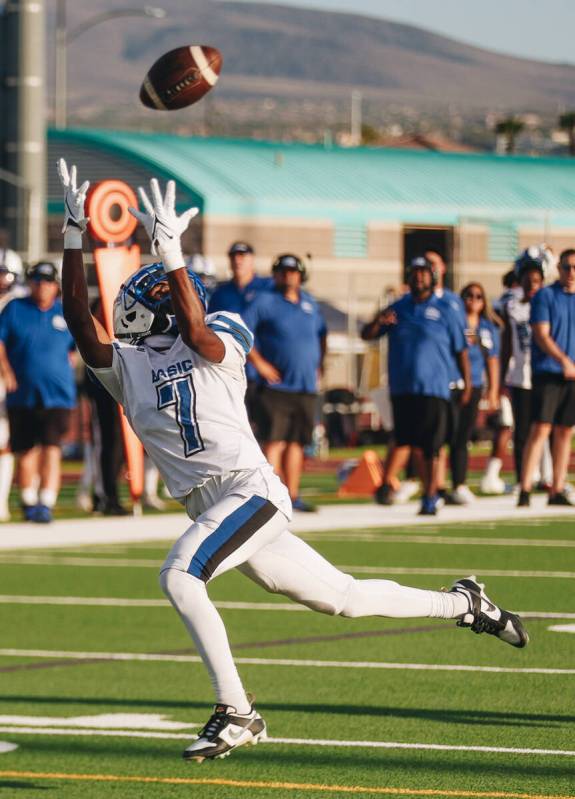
561,498
226,730
484,616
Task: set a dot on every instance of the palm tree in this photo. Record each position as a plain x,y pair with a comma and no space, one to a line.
509,128
567,123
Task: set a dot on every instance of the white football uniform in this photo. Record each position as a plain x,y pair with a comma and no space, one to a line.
188,412
190,415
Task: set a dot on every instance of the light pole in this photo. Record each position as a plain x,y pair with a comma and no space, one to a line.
65,36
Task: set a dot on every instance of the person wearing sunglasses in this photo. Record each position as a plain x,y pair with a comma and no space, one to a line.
553,372
482,334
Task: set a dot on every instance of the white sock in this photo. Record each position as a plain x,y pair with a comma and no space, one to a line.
190,598
6,473
388,598
29,495
48,497
546,464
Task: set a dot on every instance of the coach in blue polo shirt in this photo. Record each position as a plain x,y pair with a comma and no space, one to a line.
290,343
235,295
553,378
425,335
35,363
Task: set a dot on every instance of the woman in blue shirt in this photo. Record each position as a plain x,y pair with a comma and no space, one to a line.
482,333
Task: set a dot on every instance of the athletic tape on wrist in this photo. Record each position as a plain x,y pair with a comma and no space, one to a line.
73,238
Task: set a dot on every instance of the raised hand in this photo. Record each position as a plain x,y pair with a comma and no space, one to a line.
74,198
162,224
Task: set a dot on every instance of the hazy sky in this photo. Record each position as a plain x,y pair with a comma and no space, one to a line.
540,29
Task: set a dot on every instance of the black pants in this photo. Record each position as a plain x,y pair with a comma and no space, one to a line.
461,435
521,404
111,454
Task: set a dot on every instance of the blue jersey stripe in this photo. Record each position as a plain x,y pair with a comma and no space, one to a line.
239,328
230,525
236,333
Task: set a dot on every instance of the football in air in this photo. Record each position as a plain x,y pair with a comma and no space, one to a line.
181,77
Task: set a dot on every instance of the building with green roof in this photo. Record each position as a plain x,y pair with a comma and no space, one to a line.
361,213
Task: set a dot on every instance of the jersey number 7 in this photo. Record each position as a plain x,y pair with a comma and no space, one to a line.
180,393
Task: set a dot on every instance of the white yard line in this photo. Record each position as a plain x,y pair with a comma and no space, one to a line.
74,731
63,560
123,602
319,664
456,572
384,538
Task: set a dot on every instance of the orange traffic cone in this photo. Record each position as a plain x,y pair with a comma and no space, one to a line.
365,478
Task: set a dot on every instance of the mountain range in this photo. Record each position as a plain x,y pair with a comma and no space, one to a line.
278,53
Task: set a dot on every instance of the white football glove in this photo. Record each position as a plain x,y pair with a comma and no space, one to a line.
163,225
75,222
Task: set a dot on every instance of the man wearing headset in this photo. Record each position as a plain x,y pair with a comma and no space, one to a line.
290,345
426,335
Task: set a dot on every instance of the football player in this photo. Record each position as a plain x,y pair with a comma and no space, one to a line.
179,375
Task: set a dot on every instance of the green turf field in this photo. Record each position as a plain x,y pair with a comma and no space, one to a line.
88,725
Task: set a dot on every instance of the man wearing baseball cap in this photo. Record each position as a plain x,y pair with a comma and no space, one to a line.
35,347
290,345
235,295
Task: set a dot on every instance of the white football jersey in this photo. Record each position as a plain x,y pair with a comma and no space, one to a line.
519,368
189,413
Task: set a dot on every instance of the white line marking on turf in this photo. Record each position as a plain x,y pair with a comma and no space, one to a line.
562,628
456,572
319,664
7,747
139,603
383,538
115,721
55,560
297,741
123,602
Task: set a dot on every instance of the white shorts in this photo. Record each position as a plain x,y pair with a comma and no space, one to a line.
239,524
235,516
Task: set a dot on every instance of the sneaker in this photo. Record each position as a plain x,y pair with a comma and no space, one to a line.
463,495
429,506
490,484
29,513
384,495
303,507
561,498
226,730
406,491
524,499
485,617
114,509
42,514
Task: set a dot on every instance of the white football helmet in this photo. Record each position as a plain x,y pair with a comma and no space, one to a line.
138,315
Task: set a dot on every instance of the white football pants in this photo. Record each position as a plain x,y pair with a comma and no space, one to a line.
238,524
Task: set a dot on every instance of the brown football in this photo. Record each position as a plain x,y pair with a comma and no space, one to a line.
181,77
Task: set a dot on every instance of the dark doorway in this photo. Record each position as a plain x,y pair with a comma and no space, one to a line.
416,240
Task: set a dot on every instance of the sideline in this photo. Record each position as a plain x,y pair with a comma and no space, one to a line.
168,527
